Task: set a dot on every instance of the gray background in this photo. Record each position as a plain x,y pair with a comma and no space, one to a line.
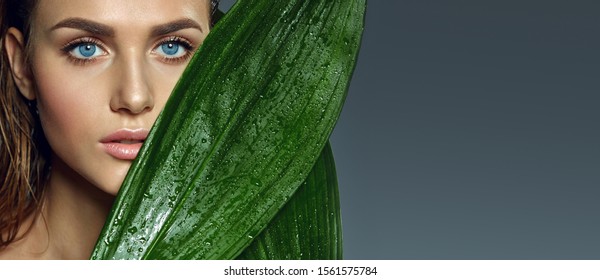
471,132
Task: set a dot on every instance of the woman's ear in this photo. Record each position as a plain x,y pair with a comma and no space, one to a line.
14,43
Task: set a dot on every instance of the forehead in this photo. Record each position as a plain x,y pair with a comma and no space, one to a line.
122,13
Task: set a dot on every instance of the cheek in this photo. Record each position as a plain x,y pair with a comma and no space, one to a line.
69,104
64,110
163,78
73,112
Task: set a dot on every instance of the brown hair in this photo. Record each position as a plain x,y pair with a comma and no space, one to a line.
24,152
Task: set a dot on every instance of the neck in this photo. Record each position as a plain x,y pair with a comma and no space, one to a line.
73,214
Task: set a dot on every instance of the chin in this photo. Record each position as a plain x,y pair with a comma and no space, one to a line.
116,186
110,188
114,182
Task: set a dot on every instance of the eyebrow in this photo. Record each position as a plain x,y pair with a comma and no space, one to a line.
86,25
107,31
175,25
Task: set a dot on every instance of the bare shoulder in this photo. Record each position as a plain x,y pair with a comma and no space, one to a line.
31,244
25,249
12,252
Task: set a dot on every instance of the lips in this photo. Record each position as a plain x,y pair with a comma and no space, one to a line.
124,144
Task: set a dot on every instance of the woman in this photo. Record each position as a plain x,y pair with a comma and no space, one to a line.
82,83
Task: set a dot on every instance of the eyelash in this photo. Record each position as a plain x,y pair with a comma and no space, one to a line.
187,45
69,47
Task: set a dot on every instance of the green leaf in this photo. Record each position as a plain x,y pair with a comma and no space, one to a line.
240,132
309,226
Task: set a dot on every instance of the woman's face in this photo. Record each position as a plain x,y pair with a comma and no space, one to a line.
103,70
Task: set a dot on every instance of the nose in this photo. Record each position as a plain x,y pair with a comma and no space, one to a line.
133,92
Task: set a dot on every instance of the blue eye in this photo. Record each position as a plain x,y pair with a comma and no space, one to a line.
85,50
170,48
173,49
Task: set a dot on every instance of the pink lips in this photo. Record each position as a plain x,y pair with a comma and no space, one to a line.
124,144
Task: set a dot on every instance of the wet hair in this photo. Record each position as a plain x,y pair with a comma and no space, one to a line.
24,151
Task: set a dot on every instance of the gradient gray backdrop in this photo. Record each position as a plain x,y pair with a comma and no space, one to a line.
471,131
